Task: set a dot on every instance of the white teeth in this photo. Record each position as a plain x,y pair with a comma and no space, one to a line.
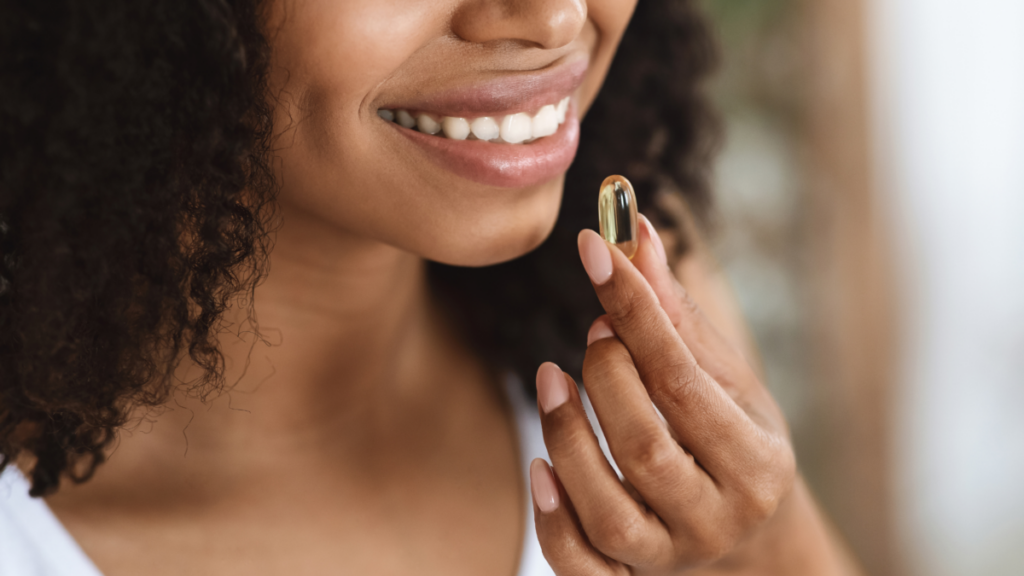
455,128
545,123
485,128
427,124
515,128
405,119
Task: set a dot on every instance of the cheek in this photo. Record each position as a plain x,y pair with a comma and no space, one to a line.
611,16
352,37
328,55
336,168
606,22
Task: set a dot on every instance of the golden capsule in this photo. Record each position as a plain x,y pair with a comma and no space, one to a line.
616,208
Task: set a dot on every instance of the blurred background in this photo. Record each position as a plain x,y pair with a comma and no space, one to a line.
871,220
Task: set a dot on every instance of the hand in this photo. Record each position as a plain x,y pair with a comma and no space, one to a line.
697,483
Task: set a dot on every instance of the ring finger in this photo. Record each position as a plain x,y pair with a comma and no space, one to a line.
614,522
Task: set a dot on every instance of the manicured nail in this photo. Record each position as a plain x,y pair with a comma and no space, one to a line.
598,330
597,260
552,390
542,484
655,239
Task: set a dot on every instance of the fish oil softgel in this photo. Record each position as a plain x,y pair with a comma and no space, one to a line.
616,208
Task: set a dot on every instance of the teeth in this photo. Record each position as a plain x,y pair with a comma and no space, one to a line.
405,119
511,129
455,128
545,123
427,124
563,107
485,128
515,128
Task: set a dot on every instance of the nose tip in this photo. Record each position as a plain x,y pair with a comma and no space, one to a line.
547,24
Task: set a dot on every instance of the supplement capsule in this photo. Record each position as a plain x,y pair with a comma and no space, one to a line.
616,208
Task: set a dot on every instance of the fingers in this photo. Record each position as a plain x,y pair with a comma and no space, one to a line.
661,471
713,352
704,515
614,523
559,531
722,473
709,424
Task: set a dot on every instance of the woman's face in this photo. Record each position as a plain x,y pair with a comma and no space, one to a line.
497,69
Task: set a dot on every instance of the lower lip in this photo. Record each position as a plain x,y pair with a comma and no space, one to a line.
503,165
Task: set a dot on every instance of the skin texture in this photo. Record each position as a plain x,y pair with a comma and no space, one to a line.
336,63
361,421
709,487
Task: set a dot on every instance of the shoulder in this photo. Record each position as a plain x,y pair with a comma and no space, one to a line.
32,539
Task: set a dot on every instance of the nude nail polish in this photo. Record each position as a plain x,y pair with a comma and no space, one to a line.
542,484
552,390
599,331
597,260
659,247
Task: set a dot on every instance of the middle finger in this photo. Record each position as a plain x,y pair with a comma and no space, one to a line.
661,471
614,522
710,425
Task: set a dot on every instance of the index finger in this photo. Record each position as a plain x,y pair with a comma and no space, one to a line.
718,357
709,424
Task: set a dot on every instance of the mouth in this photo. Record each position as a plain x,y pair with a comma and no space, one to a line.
516,128
512,131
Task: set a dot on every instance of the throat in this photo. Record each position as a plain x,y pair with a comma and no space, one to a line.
357,419
447,485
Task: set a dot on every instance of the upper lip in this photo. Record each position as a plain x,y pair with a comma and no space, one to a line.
507,93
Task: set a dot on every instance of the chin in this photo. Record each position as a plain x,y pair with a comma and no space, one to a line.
501,237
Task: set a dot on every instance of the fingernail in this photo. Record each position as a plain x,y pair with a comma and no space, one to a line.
659,247
598,330
552,391
597,260
542,484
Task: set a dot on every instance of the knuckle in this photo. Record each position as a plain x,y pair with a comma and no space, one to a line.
675,380
652,458
633,309
628,299
769,484
618,536
760,500
710,545
710,536
706,542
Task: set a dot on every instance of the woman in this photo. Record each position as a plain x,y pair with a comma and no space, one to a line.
219,322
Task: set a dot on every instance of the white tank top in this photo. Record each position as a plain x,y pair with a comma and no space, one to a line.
33,542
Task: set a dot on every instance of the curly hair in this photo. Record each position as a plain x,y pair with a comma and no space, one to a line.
137,202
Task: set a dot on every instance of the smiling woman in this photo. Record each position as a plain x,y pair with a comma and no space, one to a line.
379,192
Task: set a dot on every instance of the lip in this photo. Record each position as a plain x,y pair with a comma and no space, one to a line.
503,165
495,164
508,93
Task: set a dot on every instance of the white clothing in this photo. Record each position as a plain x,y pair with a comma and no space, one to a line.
33,542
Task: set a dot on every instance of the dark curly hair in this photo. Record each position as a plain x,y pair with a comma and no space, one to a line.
137,201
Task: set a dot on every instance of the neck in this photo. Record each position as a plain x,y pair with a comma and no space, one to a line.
352,361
